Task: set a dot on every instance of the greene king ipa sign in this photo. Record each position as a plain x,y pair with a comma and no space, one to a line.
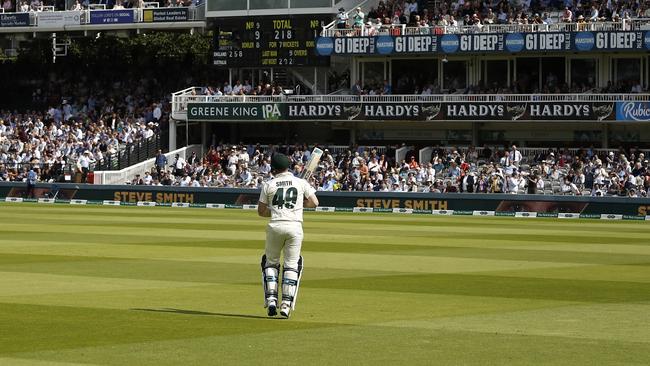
235,111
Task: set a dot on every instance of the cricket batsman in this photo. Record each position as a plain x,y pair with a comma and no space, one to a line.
283,199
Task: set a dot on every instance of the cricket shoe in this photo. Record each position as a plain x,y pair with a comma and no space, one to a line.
285,310
272,308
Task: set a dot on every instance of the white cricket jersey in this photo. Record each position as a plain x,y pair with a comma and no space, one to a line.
284,195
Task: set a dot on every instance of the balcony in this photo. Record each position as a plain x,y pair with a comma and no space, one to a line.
442,107
234,8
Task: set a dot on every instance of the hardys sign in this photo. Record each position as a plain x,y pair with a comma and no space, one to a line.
485,43
401,111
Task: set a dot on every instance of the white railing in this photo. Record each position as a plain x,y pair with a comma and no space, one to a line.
126,175
352,8
181,99
190,95
338,149
397,30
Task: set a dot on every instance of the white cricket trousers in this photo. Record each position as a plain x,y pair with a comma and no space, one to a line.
287,235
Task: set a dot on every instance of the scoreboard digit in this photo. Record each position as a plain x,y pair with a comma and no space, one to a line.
268,41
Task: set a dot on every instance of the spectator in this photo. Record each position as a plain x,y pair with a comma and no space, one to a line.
342,19
8,6
84,165
594,15
515,156
388,89
356,88
358,18
32,178
161,161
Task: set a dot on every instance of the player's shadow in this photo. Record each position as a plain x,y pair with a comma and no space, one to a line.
205,313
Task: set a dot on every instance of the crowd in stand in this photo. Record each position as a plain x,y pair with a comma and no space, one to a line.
245,88
455,13
423,87
428,87
471,170
83,125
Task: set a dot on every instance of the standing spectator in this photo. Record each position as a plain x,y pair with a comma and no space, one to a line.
32,177
515,156
84,164
533,180
469,183
157,112
513,183
161,162
358,18
193,159
388,89
356,88
342,19
179,165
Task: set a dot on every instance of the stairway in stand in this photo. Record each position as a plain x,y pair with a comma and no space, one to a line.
280,77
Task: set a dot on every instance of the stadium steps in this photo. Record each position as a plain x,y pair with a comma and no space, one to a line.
280,77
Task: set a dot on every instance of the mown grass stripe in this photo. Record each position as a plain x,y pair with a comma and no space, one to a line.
157,286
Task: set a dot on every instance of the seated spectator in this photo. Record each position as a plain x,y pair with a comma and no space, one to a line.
594,15
35,5
490,17
567,15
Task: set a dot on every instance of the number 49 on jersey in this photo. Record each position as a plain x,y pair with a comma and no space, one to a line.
286,199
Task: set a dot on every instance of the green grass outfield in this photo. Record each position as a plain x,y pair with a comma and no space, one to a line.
163,286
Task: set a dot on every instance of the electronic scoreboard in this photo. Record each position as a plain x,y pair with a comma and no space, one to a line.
269,41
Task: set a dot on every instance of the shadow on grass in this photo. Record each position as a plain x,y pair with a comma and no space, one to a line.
205,313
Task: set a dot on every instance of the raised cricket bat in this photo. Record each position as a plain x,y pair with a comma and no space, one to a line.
312,164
